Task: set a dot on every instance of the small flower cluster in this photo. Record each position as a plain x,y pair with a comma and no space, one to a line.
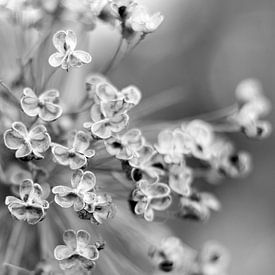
253,105
172,256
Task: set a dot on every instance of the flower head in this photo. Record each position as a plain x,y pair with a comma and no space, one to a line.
82,191
150,197
45,106
77,251
30,207
30,144
67,57
125,146
77,156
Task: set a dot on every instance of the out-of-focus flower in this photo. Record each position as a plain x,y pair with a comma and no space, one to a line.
151,197
253,105
198,206
27,144
82,191
67,57
97,6
91,84
198,136
45,106
30,207
125,146
77,156
172,144
77,253
180,179
213,259
171,255
99,209
140,20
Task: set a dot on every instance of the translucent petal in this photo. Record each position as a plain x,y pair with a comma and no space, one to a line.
50,112
88,181
13,140
81,142
20,128
29,93
76,178
161,204
77,161
119,122
149,214
83,56
165,142
83,239
56,59
62,190
107,92
96,114
90,252
34,214
102,129
71,39
59,40
49,96
78,204
23,151
69,238
66,201
30,106
61,154
62,252
140,207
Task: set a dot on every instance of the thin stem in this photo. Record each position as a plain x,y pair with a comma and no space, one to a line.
114,59
9,93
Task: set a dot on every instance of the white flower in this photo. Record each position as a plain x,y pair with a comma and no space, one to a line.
67,57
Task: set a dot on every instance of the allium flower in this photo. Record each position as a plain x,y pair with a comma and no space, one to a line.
150,197
30,144
126,146
172,144
213,259
180,179
77,253
67,57
30,207
82,191
198,206
77,156
45,106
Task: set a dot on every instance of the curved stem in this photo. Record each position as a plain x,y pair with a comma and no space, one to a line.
9,93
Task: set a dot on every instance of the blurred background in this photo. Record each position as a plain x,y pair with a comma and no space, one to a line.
204,49
207,47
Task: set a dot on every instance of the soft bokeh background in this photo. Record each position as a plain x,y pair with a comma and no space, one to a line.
204,48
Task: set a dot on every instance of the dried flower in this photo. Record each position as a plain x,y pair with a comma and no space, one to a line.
45,106
125,146
27,144
77,251
150,197
67,57
77,156
83,184
30,207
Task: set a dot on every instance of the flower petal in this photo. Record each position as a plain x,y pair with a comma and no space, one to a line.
71,39
62,252
56,59
59,40
81,142
50,112
69,238
88,181
61,154
13,139
83,239
83,56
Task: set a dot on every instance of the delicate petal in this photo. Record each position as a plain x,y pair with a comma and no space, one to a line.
65,201
83,239
49,96
61,154
161,204
76,178
13,139
83,56
90,252
23,151
62,190
71,39
59,40
69,238
88,181
50,112
132,95
56,59
77,161
20,128
102,129
107,92
119,122
81,142
62,252
26,187
40,139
